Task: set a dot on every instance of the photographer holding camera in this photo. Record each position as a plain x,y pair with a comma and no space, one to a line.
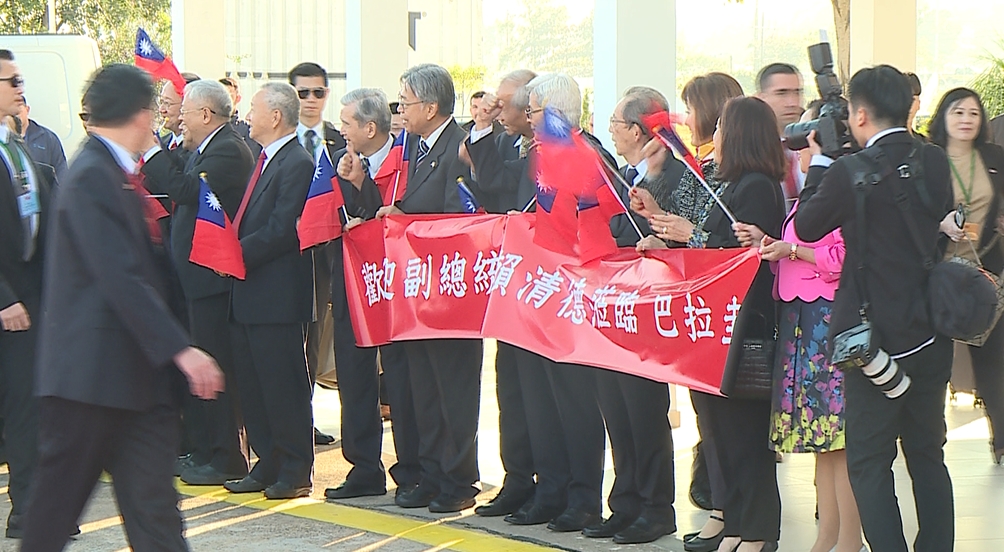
880,321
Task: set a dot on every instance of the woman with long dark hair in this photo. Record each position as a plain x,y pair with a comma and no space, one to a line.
960,127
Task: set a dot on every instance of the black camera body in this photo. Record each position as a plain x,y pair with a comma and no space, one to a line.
852,348
832,133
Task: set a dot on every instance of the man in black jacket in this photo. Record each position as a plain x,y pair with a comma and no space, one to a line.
895,281
217,152
271,305
110,349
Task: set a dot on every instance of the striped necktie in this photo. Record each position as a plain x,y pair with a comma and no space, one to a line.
423,150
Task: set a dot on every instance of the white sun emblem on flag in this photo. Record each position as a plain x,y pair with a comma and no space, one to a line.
213,202
317,172
145,47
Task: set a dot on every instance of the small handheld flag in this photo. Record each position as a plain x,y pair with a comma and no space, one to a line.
149,58
319,221
467,198
214,243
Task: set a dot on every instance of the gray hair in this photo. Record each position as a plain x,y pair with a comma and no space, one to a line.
282,97
520,78
641,101
431,84
370,107
212,95
559,92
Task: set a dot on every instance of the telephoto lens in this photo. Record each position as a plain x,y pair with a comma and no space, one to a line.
884,373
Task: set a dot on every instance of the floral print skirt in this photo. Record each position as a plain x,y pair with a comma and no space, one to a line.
808,403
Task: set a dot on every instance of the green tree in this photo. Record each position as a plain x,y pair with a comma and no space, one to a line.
111,23
466,81
990,85
543,39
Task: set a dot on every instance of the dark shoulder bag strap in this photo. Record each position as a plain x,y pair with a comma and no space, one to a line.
863,174
913,170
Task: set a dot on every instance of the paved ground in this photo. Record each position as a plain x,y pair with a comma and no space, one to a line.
217,521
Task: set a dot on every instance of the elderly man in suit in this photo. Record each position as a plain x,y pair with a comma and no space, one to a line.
108,322
24,199
271,305
445,373
218,153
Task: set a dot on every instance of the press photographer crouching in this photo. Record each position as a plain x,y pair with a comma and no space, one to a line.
888,201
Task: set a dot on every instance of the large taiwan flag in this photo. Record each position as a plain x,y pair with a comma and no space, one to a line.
215,244
319,221
149,58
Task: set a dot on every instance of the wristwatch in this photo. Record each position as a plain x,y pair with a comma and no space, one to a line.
793,256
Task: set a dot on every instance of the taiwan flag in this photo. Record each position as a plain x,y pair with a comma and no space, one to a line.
149,58
467,198
319,221
392,178
215,244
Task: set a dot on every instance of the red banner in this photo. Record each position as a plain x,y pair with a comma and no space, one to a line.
666,316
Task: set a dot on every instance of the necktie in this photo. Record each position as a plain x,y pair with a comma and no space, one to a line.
310,143
423,150
250,190
366,165
136,180
174,144
524,147
632,174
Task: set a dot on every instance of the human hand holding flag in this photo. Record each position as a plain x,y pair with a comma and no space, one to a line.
319,221
215,244
149,58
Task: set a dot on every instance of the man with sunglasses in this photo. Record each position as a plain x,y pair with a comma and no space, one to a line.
314,133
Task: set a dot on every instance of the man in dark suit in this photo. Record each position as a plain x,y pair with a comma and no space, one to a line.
895,279
110,349
314,133
241,126
365,121
24,199
271,305
169,106
43,144
445,373
503,184
218,153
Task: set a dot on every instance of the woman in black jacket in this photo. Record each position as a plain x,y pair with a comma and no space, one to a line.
752,164
960,127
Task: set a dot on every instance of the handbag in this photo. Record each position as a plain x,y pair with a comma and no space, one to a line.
998,282
752,377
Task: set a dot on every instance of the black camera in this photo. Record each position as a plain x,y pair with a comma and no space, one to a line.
853,348
832,133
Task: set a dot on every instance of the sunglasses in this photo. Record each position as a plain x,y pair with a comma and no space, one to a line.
304,93
16,81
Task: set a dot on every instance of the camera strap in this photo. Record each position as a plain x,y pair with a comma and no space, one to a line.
863,175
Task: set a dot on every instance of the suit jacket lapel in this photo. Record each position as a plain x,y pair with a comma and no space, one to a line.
269,174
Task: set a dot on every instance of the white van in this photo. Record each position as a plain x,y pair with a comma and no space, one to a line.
56,68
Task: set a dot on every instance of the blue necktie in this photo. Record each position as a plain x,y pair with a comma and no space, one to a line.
632,174
423,151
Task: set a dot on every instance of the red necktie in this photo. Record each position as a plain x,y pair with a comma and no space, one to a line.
250,190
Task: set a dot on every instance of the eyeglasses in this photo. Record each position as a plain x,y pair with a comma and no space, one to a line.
305,93
16,81
530,111
614,120
84,116
184,111
402,105
166,103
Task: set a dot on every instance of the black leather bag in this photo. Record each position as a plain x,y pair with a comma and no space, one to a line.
751,376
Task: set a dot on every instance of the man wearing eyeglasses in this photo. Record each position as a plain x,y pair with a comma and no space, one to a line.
169,108
24,201
218,152
314,133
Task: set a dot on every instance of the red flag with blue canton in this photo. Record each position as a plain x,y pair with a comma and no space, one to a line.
392,178
319,221
214,243
150,59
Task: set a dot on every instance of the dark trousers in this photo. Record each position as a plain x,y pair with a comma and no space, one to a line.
546,436
517,458
20,408
446,387
988,371
873,423
221,445
359,395
636,412
752,502
77,442
702,403
275,400
574,388
396,382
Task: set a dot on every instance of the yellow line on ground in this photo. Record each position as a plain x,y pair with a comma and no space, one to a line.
432,533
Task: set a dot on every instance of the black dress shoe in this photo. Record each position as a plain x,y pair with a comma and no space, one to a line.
405,488
504,503
322,438
246,485
445,504
701,544
606,529
182,464
573,520
690,536
208,475
419,497
353,490
280,490
645,530
534,515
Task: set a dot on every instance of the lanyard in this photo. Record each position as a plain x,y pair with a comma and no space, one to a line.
966,194
20,174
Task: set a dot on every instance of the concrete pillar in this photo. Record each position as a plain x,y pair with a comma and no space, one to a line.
634,44
884,31
376,57
198,40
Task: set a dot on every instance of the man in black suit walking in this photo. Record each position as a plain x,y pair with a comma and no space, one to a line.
24,199
445,373
110,349
314,133
270,307
217,152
